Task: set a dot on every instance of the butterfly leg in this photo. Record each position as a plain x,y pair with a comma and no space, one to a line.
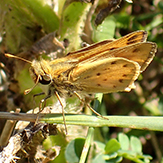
42,106
38,94
43,103
60,101
89,106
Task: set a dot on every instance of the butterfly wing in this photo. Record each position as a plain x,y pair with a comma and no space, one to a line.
142,53
107,45
105,76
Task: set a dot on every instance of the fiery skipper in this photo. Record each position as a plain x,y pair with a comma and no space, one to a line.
104,67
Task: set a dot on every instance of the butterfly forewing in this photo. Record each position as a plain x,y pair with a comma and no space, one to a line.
142,53
105,76
106,46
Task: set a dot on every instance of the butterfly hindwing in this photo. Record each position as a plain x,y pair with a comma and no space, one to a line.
108,75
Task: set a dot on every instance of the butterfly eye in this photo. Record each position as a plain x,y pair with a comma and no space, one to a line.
45,79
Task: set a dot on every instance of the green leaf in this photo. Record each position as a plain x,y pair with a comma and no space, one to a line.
102,32
99,145
99,158
43,14
24,22
124,141
136,145
74,149
112,146
72,23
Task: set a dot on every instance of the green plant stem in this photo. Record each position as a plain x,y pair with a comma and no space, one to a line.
87,145
135,122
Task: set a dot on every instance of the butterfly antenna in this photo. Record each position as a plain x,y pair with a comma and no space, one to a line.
25,60
13,56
